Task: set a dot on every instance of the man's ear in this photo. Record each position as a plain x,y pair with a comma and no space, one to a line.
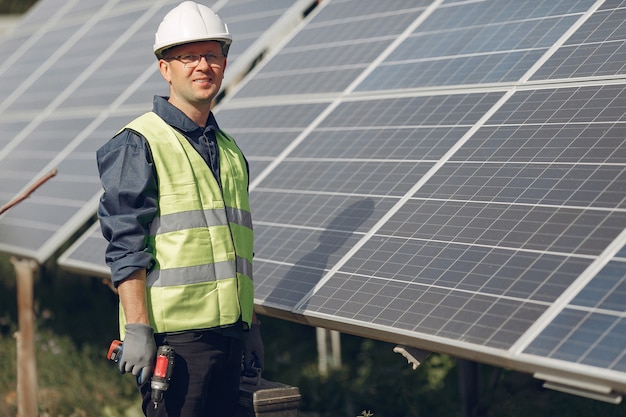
164,68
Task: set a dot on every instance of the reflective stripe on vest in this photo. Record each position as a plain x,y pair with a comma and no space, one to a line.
201,238
189,275
199,218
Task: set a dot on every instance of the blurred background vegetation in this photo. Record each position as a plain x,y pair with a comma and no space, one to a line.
77,319
15,6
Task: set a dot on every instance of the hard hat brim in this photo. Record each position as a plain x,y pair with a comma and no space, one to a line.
158,49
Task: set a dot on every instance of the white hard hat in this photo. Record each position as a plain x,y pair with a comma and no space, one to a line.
190,22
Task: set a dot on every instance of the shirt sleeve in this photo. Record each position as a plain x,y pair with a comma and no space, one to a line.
128,204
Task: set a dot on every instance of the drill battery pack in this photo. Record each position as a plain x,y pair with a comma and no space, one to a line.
259,397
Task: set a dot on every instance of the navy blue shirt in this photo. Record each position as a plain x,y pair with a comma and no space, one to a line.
128,176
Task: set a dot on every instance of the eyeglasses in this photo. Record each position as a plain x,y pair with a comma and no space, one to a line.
193,60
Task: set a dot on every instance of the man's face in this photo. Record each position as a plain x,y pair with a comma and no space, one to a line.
194,83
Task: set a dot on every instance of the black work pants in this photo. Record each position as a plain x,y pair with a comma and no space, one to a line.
205,380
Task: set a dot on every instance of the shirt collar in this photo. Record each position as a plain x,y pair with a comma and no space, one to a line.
173,116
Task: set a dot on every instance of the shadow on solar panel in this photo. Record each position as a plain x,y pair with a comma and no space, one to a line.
309,269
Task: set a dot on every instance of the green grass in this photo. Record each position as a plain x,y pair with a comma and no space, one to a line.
15,6
72,381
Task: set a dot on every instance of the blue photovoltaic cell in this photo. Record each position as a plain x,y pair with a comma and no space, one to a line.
452,71
292,116
612,4
437,311
329,59
377,178
265,144
328,227
439,110
248,20
596,49
482,13
318,212
329,34
451,49
584,337
401,142
541,183
330,52
607,290
593,105
508,225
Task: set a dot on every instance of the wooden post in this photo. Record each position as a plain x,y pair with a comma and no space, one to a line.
335,346
469,383
322,350
328,357
26,362
25,336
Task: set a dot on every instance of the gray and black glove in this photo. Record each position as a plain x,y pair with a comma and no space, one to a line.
139,351
253,350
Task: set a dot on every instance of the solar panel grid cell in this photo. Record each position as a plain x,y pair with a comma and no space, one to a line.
596,49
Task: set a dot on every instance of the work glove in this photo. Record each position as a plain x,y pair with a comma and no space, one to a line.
253,351
138,352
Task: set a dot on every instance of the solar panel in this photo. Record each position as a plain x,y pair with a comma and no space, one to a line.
447,175
90,70
86,254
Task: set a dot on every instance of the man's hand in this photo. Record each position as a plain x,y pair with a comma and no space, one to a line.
253,351
139,351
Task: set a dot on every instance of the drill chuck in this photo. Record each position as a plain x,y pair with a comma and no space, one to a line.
162,375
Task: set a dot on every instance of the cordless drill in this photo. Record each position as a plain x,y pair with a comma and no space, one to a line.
163,368
162,374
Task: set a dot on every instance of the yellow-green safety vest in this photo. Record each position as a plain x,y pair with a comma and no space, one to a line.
201,238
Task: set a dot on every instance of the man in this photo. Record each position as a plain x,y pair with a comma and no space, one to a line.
175,211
